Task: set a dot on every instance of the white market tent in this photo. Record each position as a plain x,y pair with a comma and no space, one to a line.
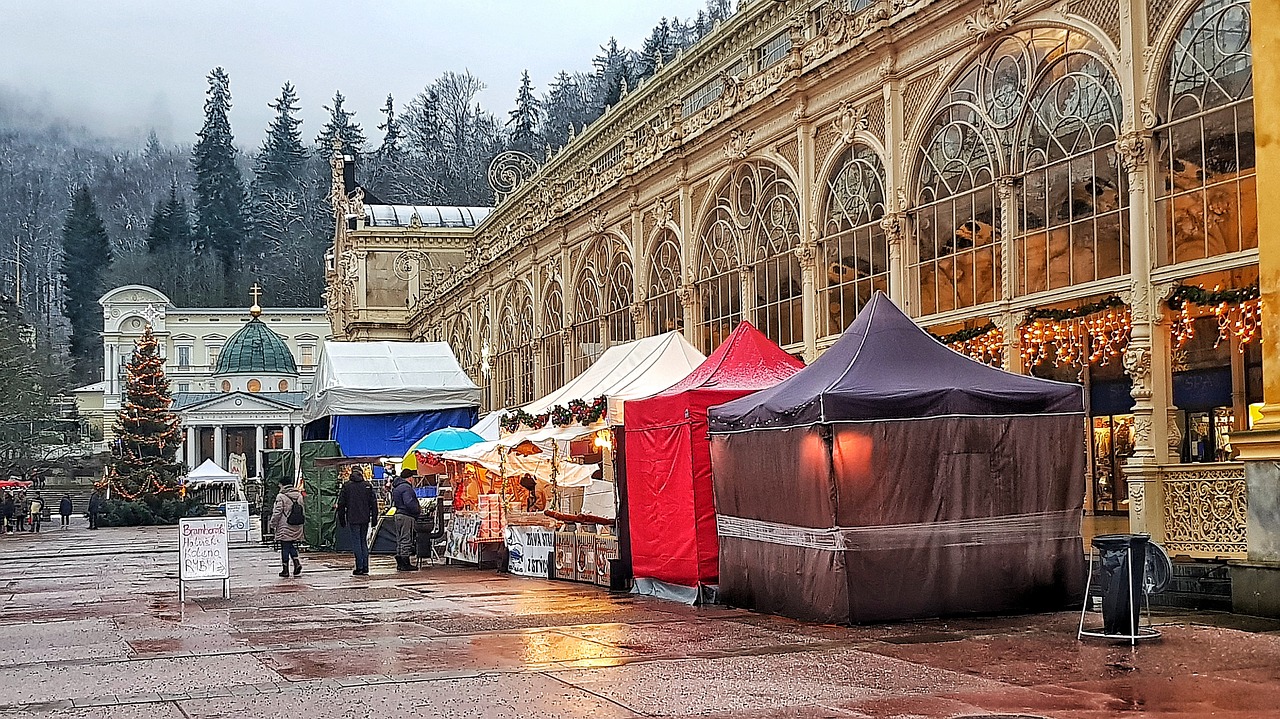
210,474
367,378
631,370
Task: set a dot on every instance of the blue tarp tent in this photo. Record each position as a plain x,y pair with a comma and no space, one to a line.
378,398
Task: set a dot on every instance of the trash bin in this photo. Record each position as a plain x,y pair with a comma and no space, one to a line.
1124,559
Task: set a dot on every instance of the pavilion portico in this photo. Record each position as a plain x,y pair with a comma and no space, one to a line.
236,427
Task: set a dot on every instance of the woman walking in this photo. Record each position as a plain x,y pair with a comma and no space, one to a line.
286,521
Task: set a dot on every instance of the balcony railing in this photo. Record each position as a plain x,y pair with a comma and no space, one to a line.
1205,510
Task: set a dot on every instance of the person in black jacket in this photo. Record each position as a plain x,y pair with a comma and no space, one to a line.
64,509
405,501
95,508
357,509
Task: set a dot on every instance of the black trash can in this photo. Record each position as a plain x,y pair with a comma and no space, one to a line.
1121,581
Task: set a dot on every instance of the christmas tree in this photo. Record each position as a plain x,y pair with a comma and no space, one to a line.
148,432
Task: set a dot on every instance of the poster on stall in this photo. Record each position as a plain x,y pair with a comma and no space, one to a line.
530,550
462,539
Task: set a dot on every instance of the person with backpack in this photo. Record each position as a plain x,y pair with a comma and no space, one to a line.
357,509
64,509
405,501
287,519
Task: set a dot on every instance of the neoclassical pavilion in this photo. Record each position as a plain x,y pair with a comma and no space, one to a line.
257,405
1061,187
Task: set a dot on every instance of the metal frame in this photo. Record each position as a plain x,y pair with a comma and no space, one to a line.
1137,632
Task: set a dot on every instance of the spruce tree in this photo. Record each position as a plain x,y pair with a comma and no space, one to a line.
148,431
281,160
170,230
613,71
86,255
342,126
565,104
220,196
27,386
391,134
658,49
524,121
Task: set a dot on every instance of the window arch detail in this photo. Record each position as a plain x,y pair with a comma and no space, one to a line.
514,362
665,280
602,302
854,247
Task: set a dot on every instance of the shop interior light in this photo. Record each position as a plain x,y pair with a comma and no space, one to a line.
604,439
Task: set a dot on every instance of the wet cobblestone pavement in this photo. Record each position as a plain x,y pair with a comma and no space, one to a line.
90,627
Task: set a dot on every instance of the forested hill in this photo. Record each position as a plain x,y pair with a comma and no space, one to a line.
80,213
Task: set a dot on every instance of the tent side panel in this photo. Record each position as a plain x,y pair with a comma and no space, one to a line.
781,476
704,501
798,582
320,493
391,435
660,505
961,514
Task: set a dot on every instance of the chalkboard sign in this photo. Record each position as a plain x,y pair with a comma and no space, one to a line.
202,553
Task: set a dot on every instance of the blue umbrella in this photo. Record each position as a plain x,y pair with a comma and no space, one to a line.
446,439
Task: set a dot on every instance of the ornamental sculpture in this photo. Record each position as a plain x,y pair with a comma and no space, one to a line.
508,171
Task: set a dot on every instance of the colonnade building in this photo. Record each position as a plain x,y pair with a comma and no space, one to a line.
1059,187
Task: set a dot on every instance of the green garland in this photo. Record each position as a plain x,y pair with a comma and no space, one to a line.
966,334
1090,309
1196,295
559,416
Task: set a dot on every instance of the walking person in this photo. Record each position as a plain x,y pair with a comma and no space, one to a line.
405,501
95,508
20,510
357,509
64,509
37,512
287,520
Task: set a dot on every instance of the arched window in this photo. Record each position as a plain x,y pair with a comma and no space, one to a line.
753,226
602,301
460,342
1206,192
513,363
552,339
1071,201
854,249
1041,108
485,361
665,311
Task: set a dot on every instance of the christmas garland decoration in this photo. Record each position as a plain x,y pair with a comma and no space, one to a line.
965,335
1238,311
1092,334
558,416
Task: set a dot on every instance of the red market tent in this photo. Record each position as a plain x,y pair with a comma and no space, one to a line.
674,548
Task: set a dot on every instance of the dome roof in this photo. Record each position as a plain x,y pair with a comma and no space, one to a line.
255,349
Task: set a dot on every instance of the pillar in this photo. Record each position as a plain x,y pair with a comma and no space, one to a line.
259,444
193,447
286,436
689,260
1260,448
807,251
219,447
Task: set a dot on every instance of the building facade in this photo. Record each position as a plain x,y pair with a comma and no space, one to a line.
238,377
1060,187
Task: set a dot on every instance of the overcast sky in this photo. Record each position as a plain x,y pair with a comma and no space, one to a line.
124,66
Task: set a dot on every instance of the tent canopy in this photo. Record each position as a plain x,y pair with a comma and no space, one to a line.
627,371
670,504
210,473
366,378
885,367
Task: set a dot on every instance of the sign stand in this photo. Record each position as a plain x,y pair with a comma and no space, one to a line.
202,554
238,518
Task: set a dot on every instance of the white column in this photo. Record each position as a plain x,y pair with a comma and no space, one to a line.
193,447
219,447
259,444
286,433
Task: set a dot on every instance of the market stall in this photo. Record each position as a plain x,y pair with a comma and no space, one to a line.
670,508
378,398
580,423
895,479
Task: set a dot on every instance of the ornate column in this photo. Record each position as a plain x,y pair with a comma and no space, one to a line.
807,250
1146,359
893,224
688,257
1008,223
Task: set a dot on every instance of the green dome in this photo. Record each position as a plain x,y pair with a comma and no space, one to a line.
255,349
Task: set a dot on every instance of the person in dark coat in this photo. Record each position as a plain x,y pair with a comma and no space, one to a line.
357,509
65,509
405,501
95,508
6,513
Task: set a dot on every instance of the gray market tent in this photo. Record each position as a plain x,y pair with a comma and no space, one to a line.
381,397
895,478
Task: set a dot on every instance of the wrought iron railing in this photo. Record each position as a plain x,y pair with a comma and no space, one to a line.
1205,510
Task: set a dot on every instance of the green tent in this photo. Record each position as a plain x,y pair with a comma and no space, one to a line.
277,471
320,494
